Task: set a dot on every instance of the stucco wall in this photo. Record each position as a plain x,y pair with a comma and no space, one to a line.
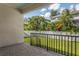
11,26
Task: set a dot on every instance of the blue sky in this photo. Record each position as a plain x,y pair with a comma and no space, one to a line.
45,11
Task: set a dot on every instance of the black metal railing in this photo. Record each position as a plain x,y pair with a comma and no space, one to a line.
59,43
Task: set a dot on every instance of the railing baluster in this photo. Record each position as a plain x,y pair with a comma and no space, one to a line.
40,40
71,45
37,40
54,42
64,45
75,46
68,46
30,39
59,43
50,42
47,42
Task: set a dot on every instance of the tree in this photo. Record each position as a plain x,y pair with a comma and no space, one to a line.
37,23
65,21
50,26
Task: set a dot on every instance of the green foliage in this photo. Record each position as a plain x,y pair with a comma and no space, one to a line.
66,20
49,26
64,23
25,26
36,23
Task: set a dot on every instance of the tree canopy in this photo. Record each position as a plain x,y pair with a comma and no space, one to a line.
40,23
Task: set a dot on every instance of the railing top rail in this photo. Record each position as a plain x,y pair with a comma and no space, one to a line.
70,35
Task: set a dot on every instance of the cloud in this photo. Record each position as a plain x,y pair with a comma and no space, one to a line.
77,7
43,9
54,6
41,15
61,9
47,15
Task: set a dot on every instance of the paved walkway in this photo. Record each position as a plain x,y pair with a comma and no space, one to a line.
25,50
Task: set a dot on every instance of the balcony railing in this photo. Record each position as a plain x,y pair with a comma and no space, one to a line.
66,44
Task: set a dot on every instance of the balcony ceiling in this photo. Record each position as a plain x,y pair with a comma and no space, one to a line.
13,5
25,7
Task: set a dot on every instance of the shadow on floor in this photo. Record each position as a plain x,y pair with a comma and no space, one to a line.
25,50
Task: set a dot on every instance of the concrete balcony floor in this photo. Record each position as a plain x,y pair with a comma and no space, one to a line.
23,49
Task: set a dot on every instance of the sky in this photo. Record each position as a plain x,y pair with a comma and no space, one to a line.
45,11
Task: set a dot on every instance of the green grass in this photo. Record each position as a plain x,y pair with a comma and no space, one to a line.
62,46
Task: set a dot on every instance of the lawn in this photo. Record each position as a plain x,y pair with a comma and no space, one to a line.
60,47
